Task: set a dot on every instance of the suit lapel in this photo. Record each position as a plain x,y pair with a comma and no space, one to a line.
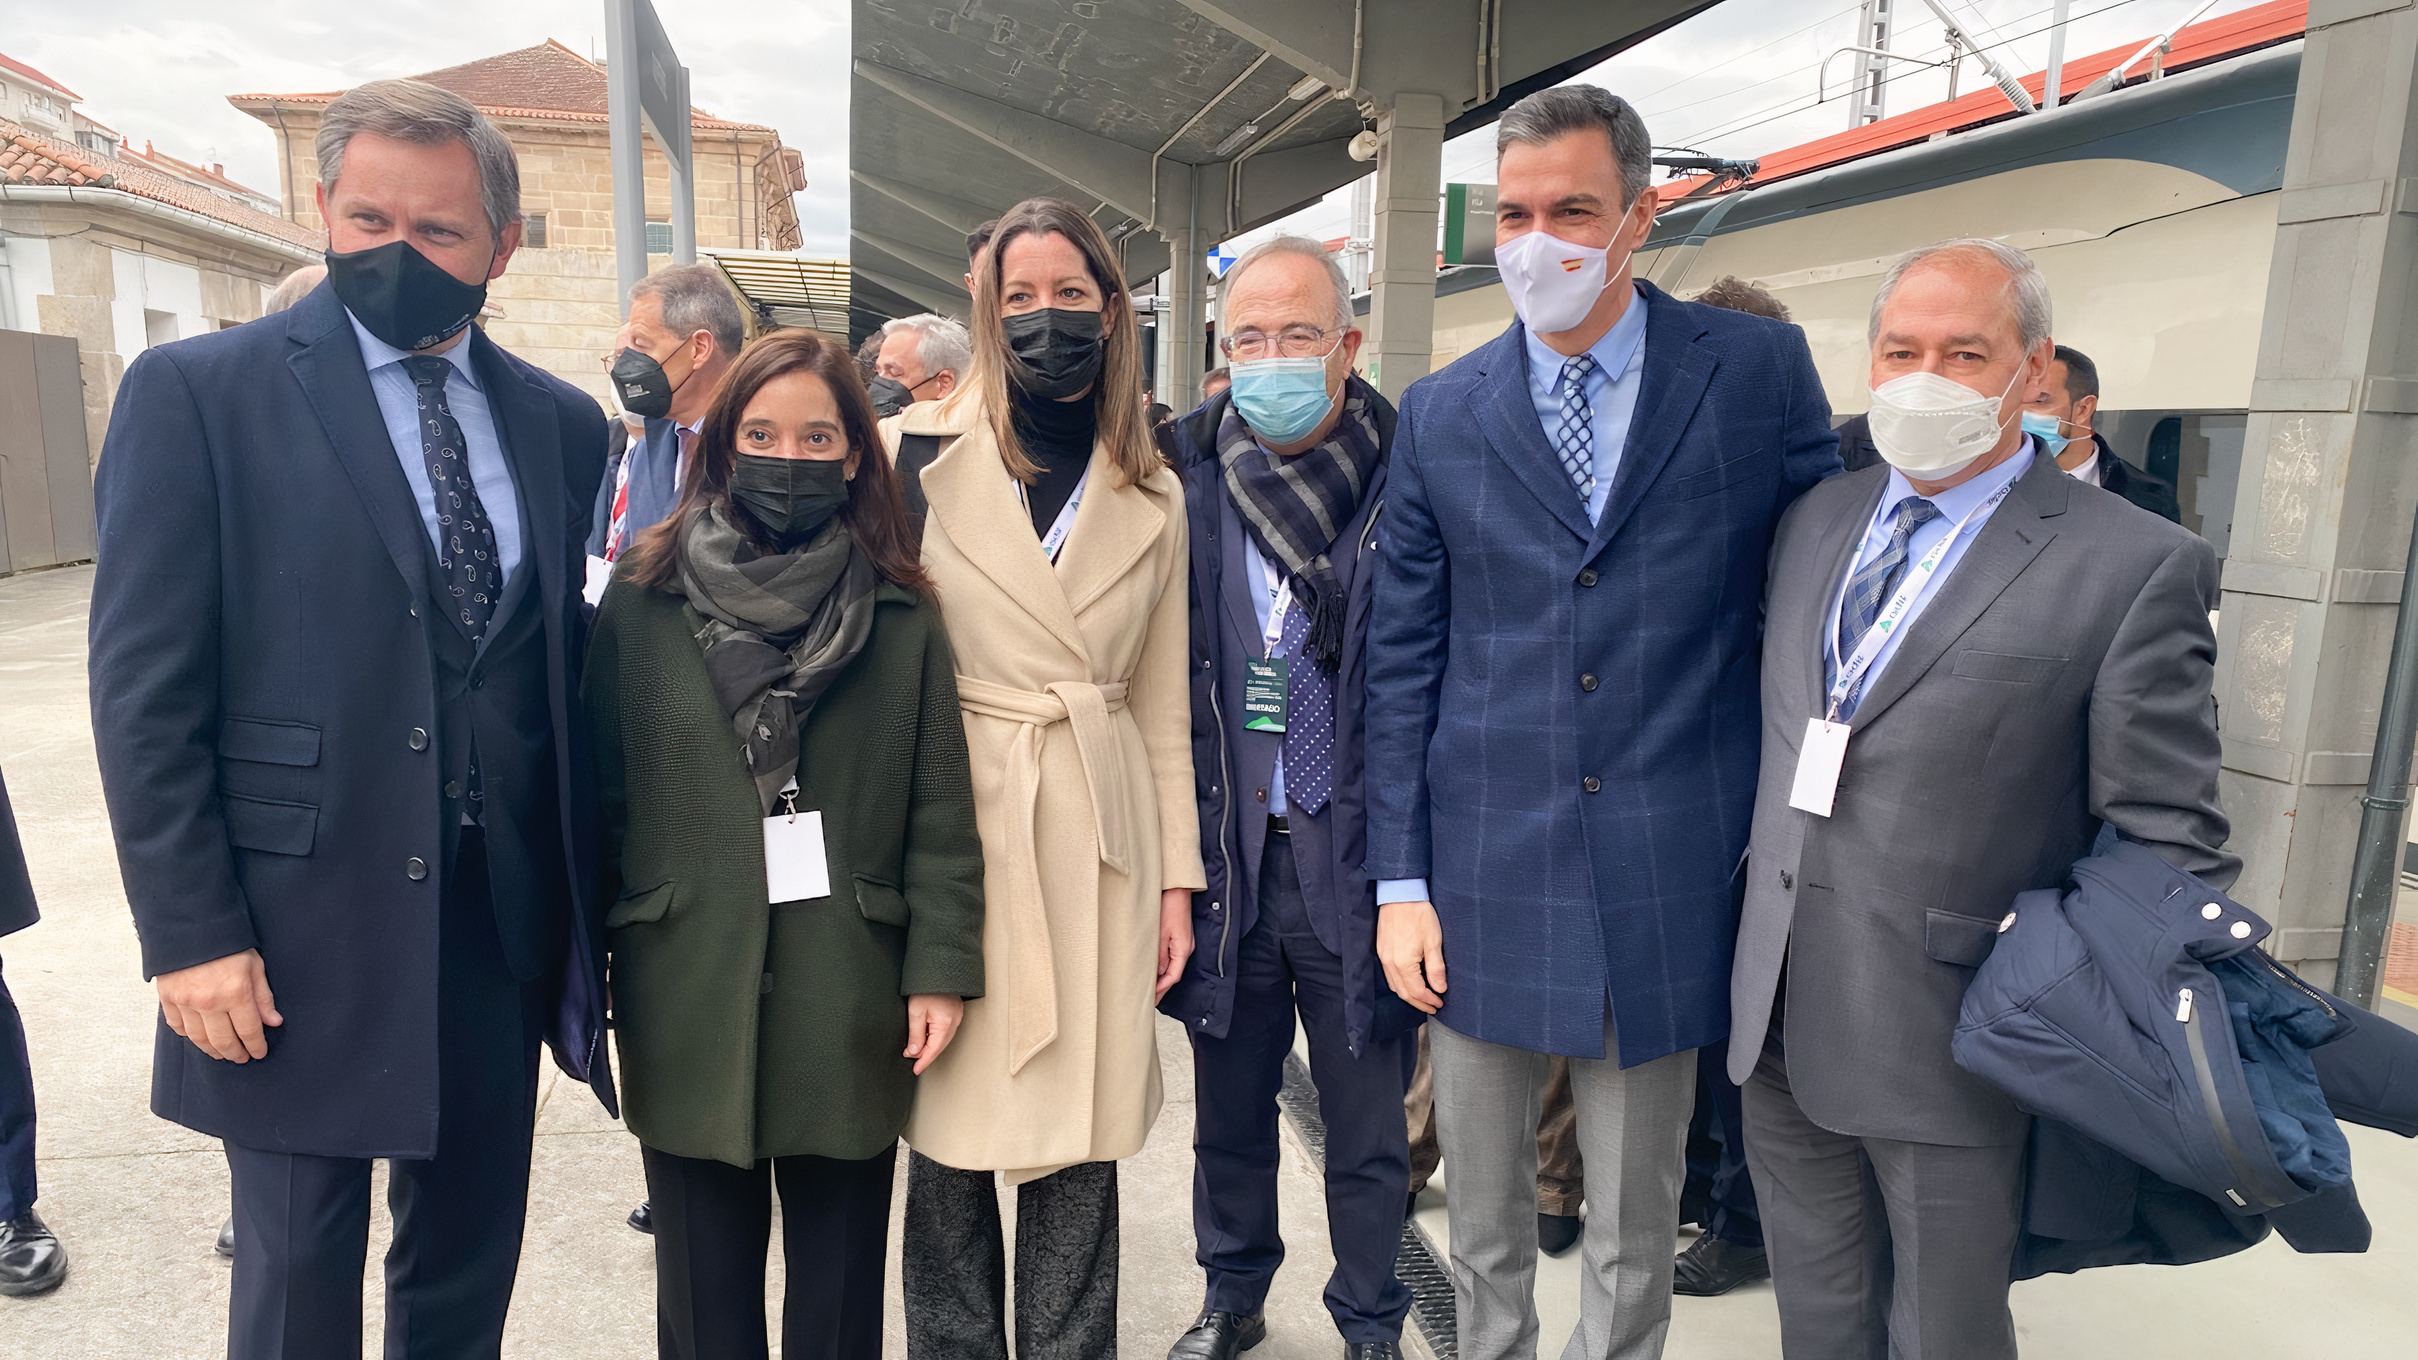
335,381
1236,581
1669,388
1508,420
1833,549
970,493
2000,550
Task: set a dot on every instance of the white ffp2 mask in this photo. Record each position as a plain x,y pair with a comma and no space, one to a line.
1553,283
1934,427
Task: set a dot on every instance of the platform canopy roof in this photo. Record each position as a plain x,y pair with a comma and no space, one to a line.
1163,113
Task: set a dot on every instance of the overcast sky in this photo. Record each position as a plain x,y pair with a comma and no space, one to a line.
1738,80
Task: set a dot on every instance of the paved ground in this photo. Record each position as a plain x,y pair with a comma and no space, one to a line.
139,1200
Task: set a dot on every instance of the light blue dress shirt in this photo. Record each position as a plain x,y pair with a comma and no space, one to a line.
399,402
1954,504
1620,361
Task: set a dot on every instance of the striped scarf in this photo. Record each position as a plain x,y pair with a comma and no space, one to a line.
1296,507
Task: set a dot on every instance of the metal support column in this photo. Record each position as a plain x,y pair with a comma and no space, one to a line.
2328,487
1869,102
1185,319
628,153
1402,275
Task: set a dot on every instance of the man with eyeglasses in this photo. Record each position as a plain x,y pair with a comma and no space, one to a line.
1285,480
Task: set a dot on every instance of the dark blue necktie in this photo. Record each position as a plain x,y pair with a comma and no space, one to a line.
466,560
1309,720
1873,584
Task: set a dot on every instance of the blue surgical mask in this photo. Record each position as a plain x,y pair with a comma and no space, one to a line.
2044,425
1282,400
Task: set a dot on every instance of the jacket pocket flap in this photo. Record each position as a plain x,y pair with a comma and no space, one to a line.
271,743
2007,667
278,828
1962,940
635,908
880,901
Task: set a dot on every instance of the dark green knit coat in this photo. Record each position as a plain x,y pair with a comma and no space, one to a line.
748,1030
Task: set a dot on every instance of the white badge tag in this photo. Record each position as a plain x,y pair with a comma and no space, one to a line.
794,867
1818,763
600,575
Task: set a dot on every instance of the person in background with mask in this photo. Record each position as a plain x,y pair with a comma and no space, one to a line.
1282,481
333,655
922,358
770,691
1055,536
2058,413
684,328
1970,664
1561,712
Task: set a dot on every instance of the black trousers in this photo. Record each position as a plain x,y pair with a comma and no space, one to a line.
955,1264
302,1222
713,1224
1720,1192
16,1114
1282,969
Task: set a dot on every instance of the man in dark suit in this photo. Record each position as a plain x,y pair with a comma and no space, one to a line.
2059,412
31,1259
684,331
335,644
1562,712
1970,664
1282,479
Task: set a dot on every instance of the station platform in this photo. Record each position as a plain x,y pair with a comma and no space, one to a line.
138,1201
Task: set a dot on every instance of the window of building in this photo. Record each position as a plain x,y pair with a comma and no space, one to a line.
658,238
158,327
533,231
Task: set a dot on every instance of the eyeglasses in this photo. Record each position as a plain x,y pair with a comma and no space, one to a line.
1293,342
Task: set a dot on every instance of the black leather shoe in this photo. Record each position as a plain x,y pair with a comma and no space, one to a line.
31,1259
1714,1266
1220,1336
1556,1233
226,1238
643,1217
1372,1350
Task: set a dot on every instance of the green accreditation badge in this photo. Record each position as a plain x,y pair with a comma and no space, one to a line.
1264,686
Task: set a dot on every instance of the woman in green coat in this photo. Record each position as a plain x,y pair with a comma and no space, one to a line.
795,875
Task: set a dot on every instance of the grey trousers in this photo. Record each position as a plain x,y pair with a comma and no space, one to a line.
1880,1249
1632,1132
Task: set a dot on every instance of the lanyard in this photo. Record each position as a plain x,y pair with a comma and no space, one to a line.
1280,600
1060,527
1885,625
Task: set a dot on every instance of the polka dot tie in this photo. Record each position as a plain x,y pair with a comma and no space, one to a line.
466,560
1309,720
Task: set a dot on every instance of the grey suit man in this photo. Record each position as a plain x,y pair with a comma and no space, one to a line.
2049,672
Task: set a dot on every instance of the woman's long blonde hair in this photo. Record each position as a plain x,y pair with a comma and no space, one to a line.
1116,395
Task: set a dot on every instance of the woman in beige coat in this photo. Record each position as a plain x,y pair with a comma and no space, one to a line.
1057,538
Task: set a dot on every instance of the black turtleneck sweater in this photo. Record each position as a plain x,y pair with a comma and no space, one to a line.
1057,436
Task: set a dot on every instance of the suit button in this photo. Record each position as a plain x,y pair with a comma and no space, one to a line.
418,740
453,788
478,682
1787,879
1587,683
1261,795
1591,784
415,868
1587,577
765,987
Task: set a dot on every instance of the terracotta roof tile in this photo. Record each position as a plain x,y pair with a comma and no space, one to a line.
548,81
27,157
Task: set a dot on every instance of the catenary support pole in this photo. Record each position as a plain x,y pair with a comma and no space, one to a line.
2376,866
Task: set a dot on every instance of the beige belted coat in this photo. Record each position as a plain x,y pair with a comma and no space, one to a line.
1077,716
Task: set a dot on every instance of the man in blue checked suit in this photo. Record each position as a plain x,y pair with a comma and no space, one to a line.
1563,721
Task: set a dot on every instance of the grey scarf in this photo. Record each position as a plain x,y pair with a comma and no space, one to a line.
776,629
1295,507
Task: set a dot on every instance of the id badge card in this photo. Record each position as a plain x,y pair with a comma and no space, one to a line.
600,575
1265,684
794,867
1819,761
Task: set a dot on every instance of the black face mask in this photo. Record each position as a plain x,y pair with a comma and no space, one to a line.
890,396
400,296
642,385
793,498
1057,351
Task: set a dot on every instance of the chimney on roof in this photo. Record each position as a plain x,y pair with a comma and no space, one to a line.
147,147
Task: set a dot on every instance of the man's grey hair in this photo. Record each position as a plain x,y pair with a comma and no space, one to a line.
695,299
416,111
293,288
942,344
1302,246
2027,288
1549,115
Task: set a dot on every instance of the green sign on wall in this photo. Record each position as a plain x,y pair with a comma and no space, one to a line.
1469,224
